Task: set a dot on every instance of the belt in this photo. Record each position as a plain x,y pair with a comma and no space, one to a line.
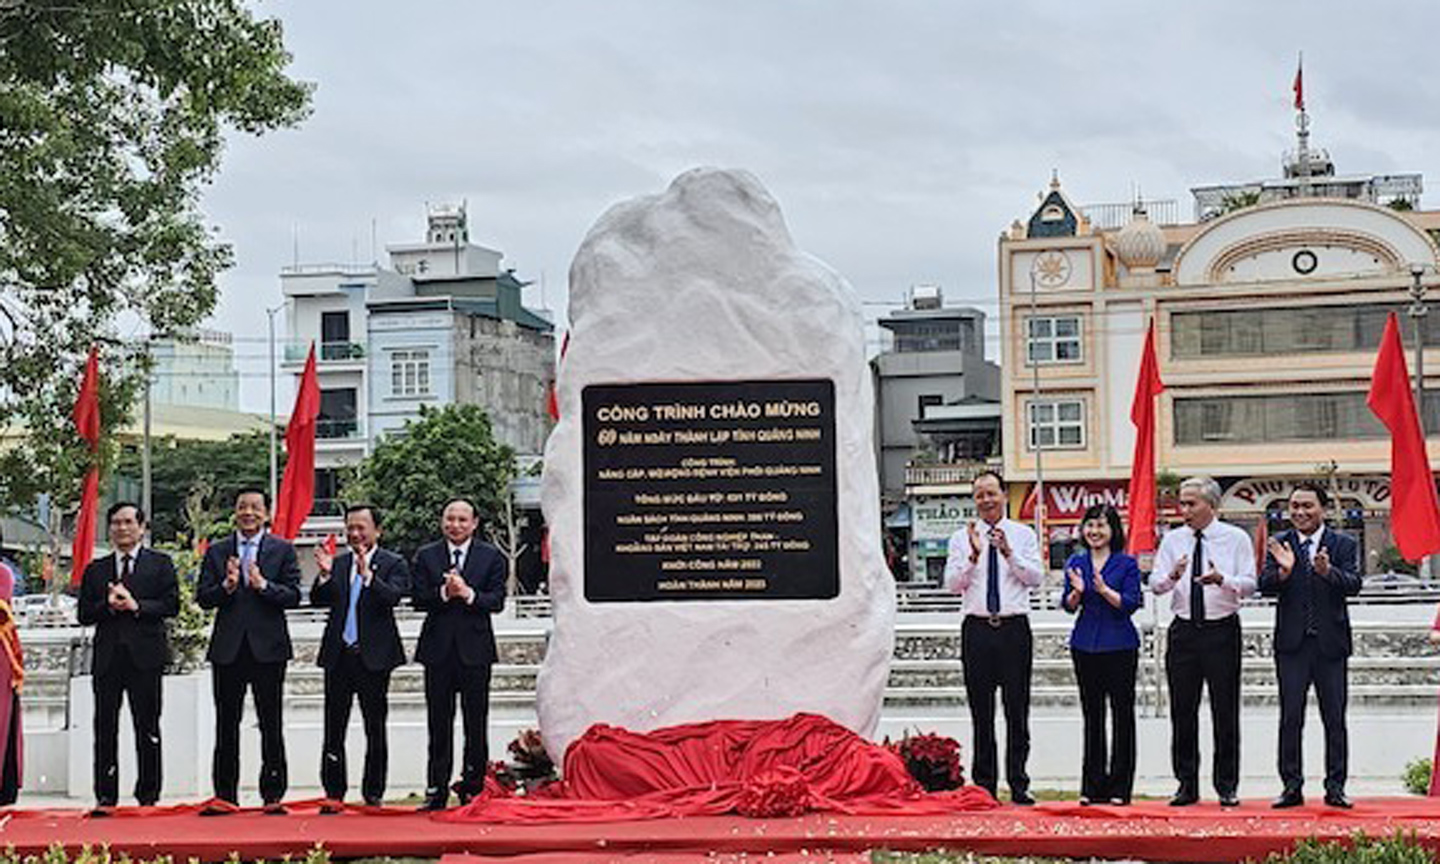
996,620
1225,619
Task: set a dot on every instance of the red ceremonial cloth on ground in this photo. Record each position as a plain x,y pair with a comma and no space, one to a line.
762,768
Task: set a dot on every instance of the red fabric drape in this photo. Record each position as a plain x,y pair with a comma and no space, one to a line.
1141,494
750,767
1414,510
87,423
297,490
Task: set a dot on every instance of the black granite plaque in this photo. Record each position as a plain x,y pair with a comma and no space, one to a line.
710,491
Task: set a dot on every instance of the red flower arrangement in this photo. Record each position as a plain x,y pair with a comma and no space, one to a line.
530,771
933,760
774,794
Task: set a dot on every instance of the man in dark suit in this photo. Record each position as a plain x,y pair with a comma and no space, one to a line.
1311,570
360,648
458,583
127,596
250,578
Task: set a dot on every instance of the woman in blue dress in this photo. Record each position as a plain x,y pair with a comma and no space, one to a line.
1105,649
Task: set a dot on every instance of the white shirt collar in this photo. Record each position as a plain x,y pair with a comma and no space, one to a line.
120,558
1314,539
241,539
463,548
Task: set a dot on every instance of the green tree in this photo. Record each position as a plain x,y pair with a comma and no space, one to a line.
193,484
449,452
112,119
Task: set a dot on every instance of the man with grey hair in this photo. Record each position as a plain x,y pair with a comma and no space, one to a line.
1211,566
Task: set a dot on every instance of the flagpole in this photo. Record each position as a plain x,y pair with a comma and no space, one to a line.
1417,312
1039,442
274,457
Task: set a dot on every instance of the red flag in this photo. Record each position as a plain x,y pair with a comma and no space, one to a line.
1299,86
87,423
331,544
552,398
1262,541
1141,494
297,490
1414,511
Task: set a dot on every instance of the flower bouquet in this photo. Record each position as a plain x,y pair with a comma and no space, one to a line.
933,760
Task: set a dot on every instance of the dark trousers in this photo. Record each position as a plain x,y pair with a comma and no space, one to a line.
1298,670
443,682
1107,678
344,681
998,656
1205,655
266,682
10,773
141,687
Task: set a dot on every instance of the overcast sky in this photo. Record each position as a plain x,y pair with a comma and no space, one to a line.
900,137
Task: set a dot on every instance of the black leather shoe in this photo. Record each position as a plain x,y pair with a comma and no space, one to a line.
1184,798
1021,797
1229,799
101,811
1288,798
373,802
274,808
331,807
1337,799
433,803
1121,801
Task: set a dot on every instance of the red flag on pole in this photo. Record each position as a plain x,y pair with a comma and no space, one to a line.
1141,495
297,489
87,423
1414,510
1299,85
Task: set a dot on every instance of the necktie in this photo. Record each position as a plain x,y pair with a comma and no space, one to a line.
247,555
1311,624
125,570
352,627
992,580
1197,588
455,563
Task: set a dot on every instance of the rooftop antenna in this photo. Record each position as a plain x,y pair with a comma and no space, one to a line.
1302,129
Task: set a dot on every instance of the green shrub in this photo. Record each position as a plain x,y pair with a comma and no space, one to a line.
1417,777
56,854
1399,848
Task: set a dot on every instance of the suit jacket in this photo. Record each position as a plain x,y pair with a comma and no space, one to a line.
380,648
155,589
245,615
1331,615
455,626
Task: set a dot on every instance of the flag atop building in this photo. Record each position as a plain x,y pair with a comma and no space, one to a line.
1299,85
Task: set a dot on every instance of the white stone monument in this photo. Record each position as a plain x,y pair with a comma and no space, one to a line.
714,451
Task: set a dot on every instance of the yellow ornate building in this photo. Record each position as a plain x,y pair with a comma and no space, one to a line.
1268,309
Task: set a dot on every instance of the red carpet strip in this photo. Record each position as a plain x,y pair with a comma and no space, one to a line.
1147,831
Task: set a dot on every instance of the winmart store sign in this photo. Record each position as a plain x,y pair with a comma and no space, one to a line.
1067,502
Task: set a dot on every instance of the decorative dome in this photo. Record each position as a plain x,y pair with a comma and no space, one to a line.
1141,243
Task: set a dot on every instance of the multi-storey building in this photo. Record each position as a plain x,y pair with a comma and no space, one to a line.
937,415
443,324
195,369
1268,309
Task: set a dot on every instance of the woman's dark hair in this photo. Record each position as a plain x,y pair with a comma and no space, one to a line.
1110,515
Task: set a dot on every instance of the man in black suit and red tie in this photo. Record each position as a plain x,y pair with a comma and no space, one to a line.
127,596
458,582
1311,570
250,578
359,650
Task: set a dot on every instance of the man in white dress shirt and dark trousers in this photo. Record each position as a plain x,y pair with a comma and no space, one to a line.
994,562
1209,565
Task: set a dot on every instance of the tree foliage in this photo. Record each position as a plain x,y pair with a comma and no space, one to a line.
449,452
193,484
112,119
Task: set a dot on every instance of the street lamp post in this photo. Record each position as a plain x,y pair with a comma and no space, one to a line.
274,453
1417,313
